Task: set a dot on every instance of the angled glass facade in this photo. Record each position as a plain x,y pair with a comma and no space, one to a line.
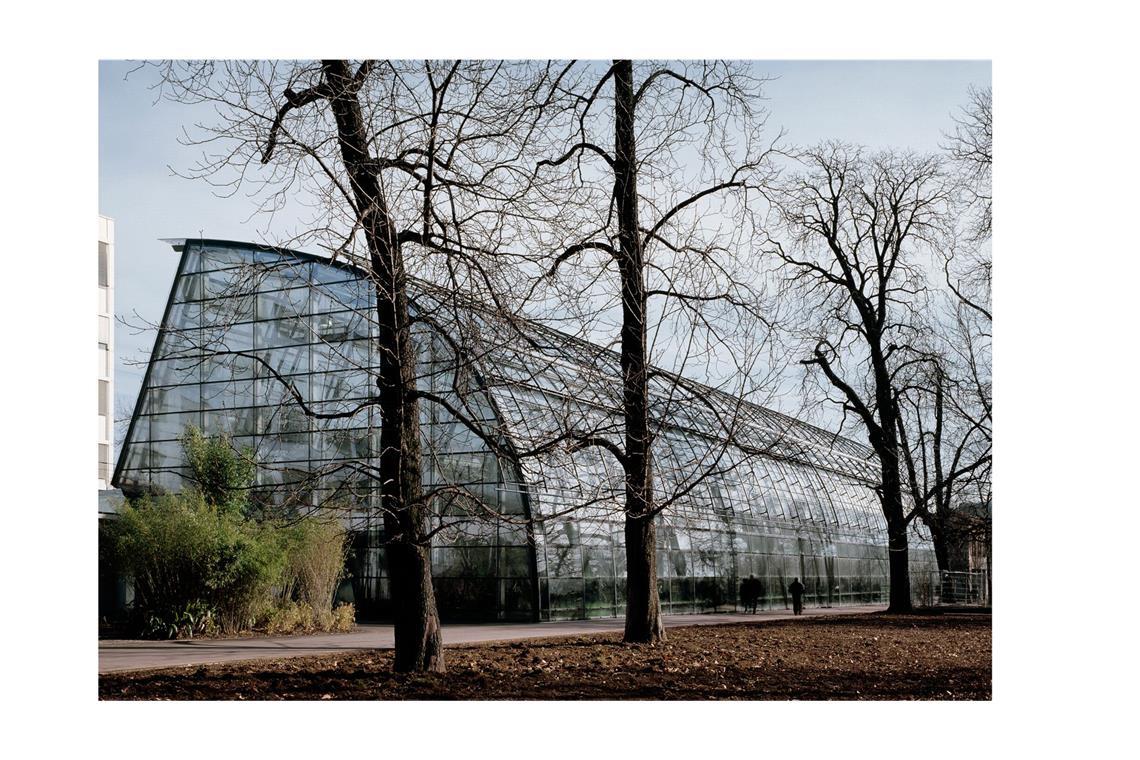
247,330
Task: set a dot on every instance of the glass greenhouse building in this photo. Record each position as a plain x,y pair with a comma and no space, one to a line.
533,535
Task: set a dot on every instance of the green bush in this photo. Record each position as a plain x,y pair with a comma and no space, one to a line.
201,562
185,554
221,474
195,619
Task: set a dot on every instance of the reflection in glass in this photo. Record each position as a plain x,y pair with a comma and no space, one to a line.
806,510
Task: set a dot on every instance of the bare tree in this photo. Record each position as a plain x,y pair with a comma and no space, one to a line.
407,166
967,263
952,411
970,147
655,189
947,453
859,226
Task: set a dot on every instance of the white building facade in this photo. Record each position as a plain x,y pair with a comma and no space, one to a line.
106,316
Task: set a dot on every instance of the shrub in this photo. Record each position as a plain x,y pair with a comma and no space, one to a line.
344,617
299,617
316,548
222,475
202,561
290,617
185,555
195,619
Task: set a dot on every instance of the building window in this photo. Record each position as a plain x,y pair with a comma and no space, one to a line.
104,397
104,279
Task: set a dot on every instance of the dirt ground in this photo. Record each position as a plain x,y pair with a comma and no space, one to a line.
877,656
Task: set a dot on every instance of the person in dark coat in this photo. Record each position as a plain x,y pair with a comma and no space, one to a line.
797,592
749,593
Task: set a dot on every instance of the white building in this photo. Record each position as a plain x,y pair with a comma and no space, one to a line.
106,350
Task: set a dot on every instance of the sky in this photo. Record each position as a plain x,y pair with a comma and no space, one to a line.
899,104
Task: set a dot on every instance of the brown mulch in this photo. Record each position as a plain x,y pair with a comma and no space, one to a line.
873,656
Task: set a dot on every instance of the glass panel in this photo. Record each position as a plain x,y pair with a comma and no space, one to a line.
280,272
337,327
273,392
227,311
226,395
171,426
286,361
184,343
282,304
353,295
184,315
228,337
231,282
337,386
341,444
230,421
282,332
177,398
325,273
174,371
227,367
346,355
166,454
189,288
221,257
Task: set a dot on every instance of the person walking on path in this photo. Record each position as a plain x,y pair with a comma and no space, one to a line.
749,593
797,592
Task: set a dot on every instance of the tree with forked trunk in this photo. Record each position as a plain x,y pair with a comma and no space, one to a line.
861,228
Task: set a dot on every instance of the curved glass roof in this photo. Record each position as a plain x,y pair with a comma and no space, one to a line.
237,308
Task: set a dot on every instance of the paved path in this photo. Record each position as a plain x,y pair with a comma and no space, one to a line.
117,654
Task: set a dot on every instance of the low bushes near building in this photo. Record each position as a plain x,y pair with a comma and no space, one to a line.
299,617
202,564
315,549
201,571
194,567
195,619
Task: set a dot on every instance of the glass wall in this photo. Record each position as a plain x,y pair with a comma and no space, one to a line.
250,333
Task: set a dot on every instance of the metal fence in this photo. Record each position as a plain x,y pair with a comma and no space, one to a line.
937,587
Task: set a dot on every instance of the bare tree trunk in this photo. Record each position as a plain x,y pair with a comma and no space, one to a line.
894,510
939,539
419,645
899,568
943,496
643,607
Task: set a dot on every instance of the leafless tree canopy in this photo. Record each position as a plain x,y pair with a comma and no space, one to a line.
652,189
406,167
970,147
860,230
